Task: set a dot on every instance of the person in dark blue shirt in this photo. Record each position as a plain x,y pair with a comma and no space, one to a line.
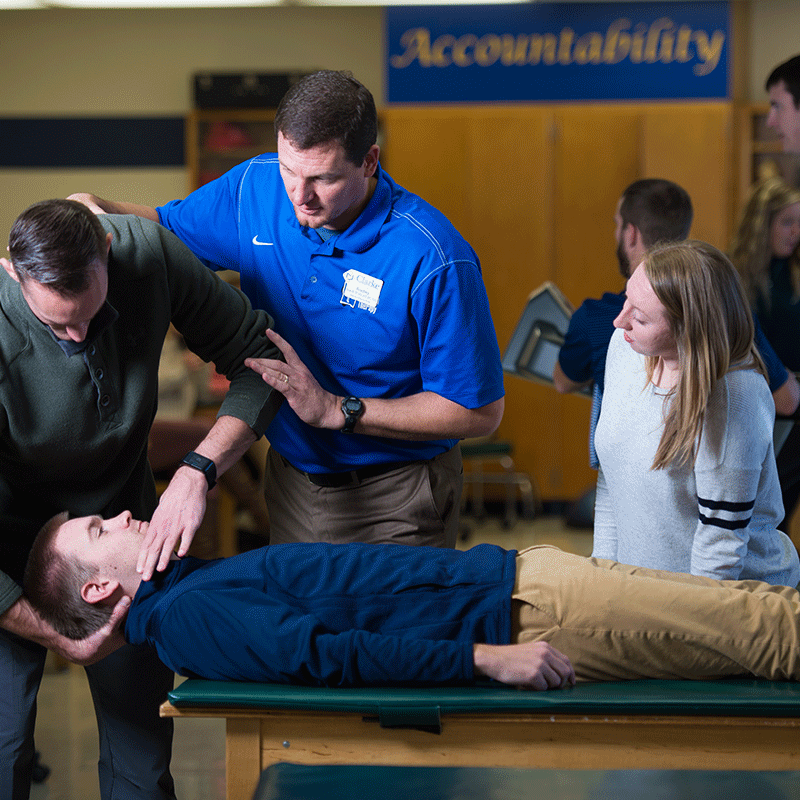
361,614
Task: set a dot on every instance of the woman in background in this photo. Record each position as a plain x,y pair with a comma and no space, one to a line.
687,478
766,253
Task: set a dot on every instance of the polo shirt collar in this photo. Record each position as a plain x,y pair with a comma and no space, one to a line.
365,230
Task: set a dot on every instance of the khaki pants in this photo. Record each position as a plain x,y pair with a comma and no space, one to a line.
416,504
616,622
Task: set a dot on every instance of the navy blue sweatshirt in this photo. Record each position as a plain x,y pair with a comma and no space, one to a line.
328,615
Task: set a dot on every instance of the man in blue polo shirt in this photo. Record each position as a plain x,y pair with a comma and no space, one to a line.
649,211
391,354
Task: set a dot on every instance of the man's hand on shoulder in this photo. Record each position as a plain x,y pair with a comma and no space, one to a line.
89,200
536,665
100,205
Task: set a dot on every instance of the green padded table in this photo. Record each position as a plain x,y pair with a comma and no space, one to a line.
740,724
339,782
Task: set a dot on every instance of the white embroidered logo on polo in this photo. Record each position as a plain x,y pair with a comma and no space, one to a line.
361,290
265,244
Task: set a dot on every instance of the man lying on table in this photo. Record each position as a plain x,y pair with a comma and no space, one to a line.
353,614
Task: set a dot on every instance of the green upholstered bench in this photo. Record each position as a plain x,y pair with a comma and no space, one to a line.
349,782
720,725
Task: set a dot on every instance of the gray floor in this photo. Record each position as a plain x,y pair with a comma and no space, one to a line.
66,733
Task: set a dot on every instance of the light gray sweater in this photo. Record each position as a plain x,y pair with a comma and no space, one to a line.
716,519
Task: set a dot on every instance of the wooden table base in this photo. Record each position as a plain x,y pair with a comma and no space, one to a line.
257,738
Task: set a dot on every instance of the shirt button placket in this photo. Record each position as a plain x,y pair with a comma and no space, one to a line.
98,375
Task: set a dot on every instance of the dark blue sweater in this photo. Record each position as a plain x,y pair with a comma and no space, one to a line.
781,315
328,615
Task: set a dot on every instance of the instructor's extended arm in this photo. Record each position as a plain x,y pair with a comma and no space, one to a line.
102,206
422,416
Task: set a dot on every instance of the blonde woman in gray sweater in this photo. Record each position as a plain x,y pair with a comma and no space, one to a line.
687,479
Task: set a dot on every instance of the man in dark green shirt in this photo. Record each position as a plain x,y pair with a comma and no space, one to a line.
86,304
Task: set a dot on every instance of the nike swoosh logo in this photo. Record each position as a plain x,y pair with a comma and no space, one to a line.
255,241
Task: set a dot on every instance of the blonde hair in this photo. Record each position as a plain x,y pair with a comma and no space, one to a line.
750,251
713,330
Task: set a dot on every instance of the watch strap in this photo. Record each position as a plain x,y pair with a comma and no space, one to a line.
204,465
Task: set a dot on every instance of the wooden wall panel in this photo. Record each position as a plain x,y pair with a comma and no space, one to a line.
427,152
596,155
513,216
510,208
693,146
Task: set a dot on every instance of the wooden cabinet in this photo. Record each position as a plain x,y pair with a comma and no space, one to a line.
534,189
217,140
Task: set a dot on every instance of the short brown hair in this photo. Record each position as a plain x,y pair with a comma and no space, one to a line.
789,73
53,584
56,243
660,210
329,106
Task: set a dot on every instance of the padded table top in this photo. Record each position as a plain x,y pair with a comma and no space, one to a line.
727,697
344,782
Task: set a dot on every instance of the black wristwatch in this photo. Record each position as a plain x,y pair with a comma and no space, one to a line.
205,465
352,408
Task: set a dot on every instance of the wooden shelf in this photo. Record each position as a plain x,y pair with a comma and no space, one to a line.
219,139
760,152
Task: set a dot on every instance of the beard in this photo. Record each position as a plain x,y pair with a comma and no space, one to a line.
624,262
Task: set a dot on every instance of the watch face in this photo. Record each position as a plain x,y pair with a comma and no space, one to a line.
352,405
197,461
352,408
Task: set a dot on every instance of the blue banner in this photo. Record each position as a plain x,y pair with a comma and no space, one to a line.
557,51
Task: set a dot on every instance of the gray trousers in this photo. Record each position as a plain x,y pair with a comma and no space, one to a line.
415,504
127,688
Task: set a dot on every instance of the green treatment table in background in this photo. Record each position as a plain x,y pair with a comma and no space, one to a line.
740,724
339,782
